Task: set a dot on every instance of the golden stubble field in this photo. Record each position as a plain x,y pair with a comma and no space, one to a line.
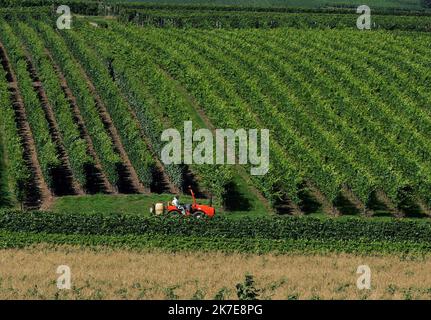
101,273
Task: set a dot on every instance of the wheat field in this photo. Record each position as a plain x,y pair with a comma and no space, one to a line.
103,273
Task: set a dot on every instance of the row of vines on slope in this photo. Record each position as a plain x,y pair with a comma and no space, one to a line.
411,164
45,147
75,146
411,167
243,70
88,108
335,126
136,148
221,115
399,161
13,170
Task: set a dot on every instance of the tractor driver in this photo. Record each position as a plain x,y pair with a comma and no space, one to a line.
176,203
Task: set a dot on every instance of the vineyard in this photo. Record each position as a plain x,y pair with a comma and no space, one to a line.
83,110
84,113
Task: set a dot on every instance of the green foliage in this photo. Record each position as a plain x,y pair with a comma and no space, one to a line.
75,146
157,104
249,19
128,80
170,293
359,168
335,125
274,228
256,112
331,140
43,8
4,199
412,249
222,294
127,127
22,13
87,105
220,103
294,296
45,147
198,295
13,170
247,290
309,6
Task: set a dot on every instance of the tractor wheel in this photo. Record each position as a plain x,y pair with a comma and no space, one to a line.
199,215
174,213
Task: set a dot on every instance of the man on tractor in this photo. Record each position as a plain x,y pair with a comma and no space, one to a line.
195,209
176,203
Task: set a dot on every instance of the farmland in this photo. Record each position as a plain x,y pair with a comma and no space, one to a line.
366,144
83,110
102,273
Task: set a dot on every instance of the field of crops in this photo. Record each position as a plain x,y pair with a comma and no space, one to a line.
259,235
101,273
349,120
83,110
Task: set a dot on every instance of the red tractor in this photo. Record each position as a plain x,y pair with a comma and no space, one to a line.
195,210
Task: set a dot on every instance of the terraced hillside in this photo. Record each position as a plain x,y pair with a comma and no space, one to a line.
349,120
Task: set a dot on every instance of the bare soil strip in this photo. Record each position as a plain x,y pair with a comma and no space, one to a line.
42,194
81,125
356,202
66,170
382,197
327,206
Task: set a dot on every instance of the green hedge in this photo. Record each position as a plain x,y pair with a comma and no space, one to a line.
174,244
274,228
236,20
329,9
86,7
